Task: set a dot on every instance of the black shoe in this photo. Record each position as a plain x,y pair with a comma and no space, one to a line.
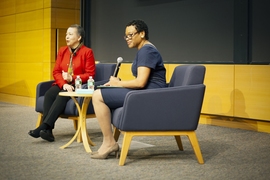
46,135
33,134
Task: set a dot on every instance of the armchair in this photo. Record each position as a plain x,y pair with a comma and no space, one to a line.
103,73
172,111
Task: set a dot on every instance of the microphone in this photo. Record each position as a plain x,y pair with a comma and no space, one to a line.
119,61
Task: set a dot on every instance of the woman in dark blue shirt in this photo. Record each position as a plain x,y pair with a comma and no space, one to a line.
149,72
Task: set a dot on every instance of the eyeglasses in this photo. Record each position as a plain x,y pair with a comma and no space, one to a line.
129,36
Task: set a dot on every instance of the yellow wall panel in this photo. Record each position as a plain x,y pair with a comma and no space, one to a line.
47,71
7,7
29,5
28,76
7,51
27,21
169,70
66,4
54,48
252,86
47,18
59,18
29,46
25,101
62,37
7,24
52,66
219,81
29,54
7,78
47,3
48,44
125,71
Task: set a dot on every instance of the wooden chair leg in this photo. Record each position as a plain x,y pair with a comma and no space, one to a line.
39,121
116,133
179,142
75,123
195,145
125,146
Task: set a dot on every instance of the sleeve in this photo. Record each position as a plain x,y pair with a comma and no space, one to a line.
57,71
147,57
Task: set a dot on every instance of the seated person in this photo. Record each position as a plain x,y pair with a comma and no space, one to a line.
149,72
72,60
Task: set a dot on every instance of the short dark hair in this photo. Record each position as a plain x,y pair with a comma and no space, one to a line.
140,26
80,30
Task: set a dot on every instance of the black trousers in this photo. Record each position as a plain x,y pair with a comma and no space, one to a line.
53,105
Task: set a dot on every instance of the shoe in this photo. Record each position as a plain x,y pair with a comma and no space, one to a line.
33,134
114,148
46,135
95,152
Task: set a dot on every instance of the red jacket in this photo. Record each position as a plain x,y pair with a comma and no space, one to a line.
83,65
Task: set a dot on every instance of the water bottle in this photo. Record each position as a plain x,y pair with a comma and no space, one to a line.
78,83
91,83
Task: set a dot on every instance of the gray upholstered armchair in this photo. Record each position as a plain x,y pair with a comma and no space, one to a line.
172,111
103,73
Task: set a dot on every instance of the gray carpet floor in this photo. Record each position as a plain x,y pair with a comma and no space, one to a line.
228,153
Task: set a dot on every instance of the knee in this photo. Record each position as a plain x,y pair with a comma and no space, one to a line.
96,97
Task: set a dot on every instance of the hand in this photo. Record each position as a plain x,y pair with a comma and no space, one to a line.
66,76
68,87
114,81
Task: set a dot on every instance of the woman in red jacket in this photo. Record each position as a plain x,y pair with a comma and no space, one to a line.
72,60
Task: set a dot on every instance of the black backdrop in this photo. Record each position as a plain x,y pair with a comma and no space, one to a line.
184,31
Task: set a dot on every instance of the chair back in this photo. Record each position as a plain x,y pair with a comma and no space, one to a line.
104,71
187,75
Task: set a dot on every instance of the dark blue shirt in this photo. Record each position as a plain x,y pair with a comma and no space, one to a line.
149,56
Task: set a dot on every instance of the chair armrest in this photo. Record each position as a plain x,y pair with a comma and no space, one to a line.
42,87
166,107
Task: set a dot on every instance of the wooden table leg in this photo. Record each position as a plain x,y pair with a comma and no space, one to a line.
74,137
81,131
82,119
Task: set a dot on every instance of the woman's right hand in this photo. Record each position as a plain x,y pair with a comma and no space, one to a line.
68,87
66,76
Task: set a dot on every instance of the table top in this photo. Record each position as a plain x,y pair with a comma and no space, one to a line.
74,94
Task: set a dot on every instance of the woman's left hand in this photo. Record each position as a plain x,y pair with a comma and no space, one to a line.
114,81
68,87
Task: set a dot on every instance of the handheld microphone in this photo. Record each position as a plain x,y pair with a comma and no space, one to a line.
119,61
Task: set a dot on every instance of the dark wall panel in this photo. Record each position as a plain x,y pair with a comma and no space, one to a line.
260,32
184,31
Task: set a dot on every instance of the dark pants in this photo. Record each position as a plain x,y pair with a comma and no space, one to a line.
53,105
